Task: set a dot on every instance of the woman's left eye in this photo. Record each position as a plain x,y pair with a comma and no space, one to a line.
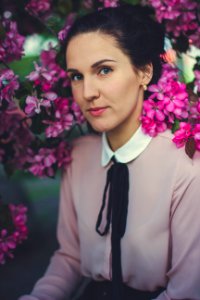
105,70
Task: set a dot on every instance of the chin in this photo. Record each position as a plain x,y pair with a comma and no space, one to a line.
97,129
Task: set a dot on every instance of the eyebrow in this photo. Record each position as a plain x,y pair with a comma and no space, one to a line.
96,64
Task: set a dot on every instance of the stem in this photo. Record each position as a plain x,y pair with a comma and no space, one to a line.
5,64
43,23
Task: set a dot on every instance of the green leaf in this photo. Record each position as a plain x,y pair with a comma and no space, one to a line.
175,125
134,2
37,125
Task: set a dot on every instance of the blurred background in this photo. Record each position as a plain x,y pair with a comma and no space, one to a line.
18,275
39,24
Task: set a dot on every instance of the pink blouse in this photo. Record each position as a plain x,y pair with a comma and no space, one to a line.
161,246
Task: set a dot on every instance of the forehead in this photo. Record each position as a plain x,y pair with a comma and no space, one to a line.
87,48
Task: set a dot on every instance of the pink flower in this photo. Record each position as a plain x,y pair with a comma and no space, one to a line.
69,21
63,118
180,16
15,137
196,134
63,154
88,4
11,46
152,127
194,37
197,80
154,110
176,100
110,3
182,134
39,8
42,163
48,73
34,104
10,240
8,85
77,112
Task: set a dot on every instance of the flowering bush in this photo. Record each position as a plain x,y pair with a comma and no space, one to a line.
38,114
13,229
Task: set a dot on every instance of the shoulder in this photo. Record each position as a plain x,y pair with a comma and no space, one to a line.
85,145
86,151
163,149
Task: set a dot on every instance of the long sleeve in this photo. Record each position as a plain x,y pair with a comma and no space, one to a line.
184,273
63,273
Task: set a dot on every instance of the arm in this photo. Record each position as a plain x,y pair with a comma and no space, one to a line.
184,274
63,272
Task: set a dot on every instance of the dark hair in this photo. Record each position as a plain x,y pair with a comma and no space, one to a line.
136,33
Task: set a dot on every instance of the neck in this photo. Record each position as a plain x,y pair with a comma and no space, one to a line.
118,138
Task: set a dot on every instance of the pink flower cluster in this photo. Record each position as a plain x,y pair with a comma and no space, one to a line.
10,240
48,73
60,112
15,138
180,17
34,104
109,3
168,101
11,44
8,85
43,163
185,132
69,21
197,80
39,8
67,113
88,4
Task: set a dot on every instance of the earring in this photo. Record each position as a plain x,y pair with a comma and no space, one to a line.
144,87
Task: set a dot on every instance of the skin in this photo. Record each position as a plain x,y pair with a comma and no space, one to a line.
103,78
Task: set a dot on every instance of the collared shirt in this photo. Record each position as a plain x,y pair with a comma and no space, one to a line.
129,151
161,245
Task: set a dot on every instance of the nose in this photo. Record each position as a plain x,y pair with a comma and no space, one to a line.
90,89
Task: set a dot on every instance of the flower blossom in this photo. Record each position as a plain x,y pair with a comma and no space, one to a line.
63,154
34,104
180,16
182,135
194,37
69,21
41,163
15,138
197,80
88,4
110,3
77,113
46,160
196,134
8,85
39,8
11,45
168,101
9,240
153,117
63,118
48,73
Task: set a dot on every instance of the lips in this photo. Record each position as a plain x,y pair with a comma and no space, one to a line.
97,111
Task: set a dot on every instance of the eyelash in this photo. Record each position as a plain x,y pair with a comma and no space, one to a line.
73,76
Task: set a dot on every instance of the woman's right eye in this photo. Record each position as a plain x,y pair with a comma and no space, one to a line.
75,77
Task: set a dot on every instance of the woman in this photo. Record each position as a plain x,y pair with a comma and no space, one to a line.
129,203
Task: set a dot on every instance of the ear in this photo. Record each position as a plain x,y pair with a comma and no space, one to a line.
146,74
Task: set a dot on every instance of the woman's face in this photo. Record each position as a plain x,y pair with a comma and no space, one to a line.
105,84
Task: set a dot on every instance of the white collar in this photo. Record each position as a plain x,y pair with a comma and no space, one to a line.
129,151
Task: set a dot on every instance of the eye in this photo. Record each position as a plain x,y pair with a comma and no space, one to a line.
105,70
76,77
